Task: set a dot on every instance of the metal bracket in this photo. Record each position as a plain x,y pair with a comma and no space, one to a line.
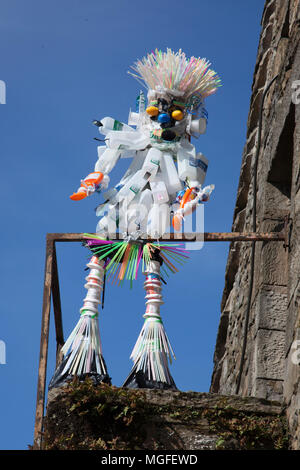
51,289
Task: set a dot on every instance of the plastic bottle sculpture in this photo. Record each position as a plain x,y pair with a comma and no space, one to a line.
166,174
152,350
85,356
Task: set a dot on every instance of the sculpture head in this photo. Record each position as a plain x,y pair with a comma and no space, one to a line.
176,89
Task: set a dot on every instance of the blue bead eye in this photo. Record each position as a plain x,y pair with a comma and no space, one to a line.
163,117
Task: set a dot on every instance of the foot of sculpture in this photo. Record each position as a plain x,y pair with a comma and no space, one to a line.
139,379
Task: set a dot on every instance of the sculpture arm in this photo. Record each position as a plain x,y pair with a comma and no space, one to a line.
99,179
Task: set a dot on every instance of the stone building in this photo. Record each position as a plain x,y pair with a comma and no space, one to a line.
270,365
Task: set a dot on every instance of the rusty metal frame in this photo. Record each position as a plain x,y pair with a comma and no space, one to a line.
51,289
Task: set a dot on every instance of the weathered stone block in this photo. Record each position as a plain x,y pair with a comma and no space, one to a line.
294,13
273,264
269,354
294,255
282,18
280,56
231,269
254,111
293,416
268,11
261,74
239,221
292,371
267,388
293,318
271,308
276,203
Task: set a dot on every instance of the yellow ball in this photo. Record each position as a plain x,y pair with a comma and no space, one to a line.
152,110
177,115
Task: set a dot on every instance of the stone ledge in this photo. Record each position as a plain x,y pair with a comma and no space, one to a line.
84,416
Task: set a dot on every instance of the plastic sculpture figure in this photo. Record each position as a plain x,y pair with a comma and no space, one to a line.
155,136
165,174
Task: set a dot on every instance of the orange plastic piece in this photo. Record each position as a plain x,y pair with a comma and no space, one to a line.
78,196
176,222
188,196
124,262
92,179
185,198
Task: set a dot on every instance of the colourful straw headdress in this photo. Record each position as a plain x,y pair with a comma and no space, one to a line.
174,73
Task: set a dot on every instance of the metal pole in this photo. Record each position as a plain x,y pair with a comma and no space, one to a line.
186,237
40,402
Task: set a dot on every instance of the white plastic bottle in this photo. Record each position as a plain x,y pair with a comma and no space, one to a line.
109,124
138,210
124,140
197,126
133,118
135,165
133,187
202,196
186,152
205,193
202,164
108,223
101,149
107,159
146,203
191,166
152,161
112,192
159,191
169,174
102,225
158,220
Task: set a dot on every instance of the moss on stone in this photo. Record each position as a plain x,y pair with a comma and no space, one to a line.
85,416
95,418
246,431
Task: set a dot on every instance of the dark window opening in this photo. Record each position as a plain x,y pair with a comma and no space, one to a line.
280,175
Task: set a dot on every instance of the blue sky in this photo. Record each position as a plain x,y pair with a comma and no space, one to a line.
64,64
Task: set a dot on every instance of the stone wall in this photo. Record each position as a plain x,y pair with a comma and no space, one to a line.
81,416
271,365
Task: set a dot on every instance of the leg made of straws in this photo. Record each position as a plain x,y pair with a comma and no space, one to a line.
152,350
83,350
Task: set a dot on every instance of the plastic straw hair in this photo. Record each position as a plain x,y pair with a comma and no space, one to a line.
124,258
173,71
